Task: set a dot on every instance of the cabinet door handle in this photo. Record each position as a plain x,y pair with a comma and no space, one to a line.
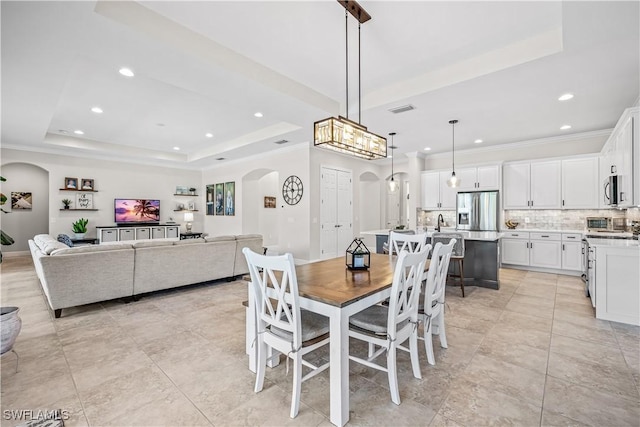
532,203
545,235
622,196
562,202
563,246
531,245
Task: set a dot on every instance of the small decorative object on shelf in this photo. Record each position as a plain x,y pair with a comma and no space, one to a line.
66,203
192,191
358,256
71,183
87,184
511,225
80,228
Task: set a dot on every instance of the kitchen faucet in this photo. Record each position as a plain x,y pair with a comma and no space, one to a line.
440,221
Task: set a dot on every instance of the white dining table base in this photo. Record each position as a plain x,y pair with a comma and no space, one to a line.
338,343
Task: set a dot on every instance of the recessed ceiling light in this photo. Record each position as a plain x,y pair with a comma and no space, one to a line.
427,148
78,132
478,141
208,135
96,110
160,125
258,114
565,127
176,148
565,97
126,72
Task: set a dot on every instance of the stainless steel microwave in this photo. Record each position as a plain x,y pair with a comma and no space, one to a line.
611,190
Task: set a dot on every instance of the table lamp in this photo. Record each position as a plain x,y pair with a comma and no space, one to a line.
188,217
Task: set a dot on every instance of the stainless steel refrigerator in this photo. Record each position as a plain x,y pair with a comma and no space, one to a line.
477,211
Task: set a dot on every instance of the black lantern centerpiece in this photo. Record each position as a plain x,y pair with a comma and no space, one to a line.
358,256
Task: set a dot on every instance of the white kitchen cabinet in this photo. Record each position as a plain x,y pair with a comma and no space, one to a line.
616,284
545,185
545,250
572,256
621,156
580,183
436,194
114,234
532,185
515,248
479,178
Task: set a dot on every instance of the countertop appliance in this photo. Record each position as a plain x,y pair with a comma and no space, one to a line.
596,224
477,211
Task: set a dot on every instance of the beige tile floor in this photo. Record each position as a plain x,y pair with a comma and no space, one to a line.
530,354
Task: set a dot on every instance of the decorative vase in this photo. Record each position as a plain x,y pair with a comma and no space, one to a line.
66,206
10,324
79,236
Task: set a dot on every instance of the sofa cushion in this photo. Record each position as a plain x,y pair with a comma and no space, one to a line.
63,238
152,243
90,248
248,236
219,238
188,241
52,246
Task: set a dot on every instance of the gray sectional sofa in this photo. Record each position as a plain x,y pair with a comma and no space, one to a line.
73,276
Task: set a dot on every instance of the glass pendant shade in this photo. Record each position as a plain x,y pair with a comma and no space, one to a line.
453,180
393,185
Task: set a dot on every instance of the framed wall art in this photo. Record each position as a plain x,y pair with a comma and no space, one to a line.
84,201
71,183
211,204
87,184
220,199
230,198
21,200
269,202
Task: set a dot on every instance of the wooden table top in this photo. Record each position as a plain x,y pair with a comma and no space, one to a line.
331,282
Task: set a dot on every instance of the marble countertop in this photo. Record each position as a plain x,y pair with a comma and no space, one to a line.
544,230
613,243
488,236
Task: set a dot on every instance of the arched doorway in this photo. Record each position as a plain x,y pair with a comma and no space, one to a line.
258,218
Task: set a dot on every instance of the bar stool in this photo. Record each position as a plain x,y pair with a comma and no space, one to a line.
457,255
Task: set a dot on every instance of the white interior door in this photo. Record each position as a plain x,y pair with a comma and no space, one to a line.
393,208
336,212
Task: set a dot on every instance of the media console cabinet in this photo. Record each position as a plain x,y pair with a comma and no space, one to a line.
114,233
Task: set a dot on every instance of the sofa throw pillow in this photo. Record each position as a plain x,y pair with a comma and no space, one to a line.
63,238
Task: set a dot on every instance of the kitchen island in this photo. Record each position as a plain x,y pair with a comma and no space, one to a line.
481,257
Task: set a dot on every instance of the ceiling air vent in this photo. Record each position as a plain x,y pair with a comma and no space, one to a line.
220,158
282,141
402,109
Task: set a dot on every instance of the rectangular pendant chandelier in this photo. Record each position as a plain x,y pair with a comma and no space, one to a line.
345,136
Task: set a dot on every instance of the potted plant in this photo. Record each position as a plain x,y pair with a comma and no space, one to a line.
66,203
80,228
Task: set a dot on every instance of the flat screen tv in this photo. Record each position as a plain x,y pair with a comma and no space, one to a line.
136,211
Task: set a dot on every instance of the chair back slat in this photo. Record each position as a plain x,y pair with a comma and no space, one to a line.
409,242
405,290
275,287
437,275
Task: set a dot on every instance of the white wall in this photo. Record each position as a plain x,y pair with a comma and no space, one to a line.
292,231
23,224
269,226
369,191
111,180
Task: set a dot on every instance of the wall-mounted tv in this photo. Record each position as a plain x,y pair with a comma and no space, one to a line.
134,211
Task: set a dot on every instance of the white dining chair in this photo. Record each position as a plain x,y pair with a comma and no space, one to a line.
431,309
387,327
281,324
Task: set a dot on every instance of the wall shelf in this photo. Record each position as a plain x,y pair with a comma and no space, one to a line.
79,210
188,195
79,191
185,210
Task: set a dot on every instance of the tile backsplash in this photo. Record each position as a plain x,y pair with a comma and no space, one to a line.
538,219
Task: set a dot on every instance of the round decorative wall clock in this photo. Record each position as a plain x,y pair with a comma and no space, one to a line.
292,190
